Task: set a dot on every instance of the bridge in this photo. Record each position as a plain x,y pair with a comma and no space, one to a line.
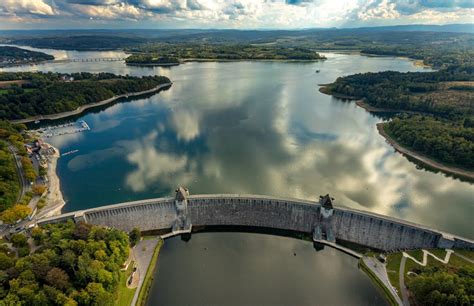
326,223
98,59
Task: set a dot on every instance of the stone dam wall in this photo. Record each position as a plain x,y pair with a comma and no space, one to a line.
364,228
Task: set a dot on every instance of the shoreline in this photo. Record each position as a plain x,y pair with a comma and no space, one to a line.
205,60
152,64
361,103
54,198
82,108
372,109
425,160
420,158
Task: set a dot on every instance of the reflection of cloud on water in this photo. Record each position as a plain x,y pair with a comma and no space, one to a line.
103,125
95,158
273,137
153,165
186,124
254,150
64,140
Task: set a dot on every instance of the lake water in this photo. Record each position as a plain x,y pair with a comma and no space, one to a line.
252,127
256,269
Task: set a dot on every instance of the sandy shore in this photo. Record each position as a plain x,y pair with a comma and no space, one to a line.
82,108
54,196
424,159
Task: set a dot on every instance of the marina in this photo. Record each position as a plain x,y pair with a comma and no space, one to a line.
64,129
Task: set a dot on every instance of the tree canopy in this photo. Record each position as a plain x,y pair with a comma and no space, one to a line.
50,93
75,264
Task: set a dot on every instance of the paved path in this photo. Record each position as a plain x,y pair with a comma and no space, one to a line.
423,263
425,257
21,173
381,273
339,247
142,254
403,289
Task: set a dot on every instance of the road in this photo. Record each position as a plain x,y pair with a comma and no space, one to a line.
21,173
403,289
142,254
380,271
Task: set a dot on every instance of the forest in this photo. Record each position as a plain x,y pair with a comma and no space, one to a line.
318,38
408,91
441,56
16,56
441,286
49,93
9,181
185,51
65,264
154,59
444,100
80,42
449,141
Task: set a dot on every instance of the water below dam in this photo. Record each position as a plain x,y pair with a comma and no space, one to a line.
257,269
258,128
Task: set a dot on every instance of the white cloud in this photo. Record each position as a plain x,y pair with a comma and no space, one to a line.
240,13
18,7
115,11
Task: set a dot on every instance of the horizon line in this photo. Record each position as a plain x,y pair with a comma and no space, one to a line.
245,29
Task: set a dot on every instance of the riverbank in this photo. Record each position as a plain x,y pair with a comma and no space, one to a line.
425,160
82,108
361,103
152,64
54,197
147,266
369,108
378,274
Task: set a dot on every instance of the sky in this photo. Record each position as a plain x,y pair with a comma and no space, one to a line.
235,14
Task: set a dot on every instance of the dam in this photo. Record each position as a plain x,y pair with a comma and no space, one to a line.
325,222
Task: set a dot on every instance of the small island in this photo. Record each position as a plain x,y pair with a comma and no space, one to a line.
165,53
151,60
31,96
12,56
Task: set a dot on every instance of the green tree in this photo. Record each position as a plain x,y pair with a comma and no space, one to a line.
134,236
5,261
15,213
19,240
58,278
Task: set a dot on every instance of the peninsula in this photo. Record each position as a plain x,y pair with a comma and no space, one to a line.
151,60
13,56
436,115
30,96
167,53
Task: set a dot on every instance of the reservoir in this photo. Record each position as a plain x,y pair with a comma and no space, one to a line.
257,269
259,128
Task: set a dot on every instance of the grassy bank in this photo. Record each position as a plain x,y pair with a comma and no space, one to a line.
125,295
393,270
148,280
375,279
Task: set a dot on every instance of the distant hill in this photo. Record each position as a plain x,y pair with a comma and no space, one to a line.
17,56
457,28
322,38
